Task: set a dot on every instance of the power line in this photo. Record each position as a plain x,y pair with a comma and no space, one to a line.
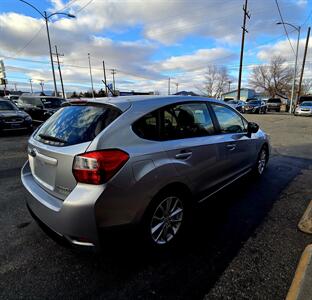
67,5
83,7
307,19
280,14
29,42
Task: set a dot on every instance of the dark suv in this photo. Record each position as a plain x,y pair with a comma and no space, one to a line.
40,108
274,104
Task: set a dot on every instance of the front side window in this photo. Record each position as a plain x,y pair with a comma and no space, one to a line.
229,121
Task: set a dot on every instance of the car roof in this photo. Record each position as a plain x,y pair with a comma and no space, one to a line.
150,101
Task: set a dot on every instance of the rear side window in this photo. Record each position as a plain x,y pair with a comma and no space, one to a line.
186,120
275,100
147,127
229,121
178,121
76,124
52,102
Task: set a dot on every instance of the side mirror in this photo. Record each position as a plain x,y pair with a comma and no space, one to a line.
252,128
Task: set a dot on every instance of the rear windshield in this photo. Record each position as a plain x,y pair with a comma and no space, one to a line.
76,124
6,105
274,101
31,101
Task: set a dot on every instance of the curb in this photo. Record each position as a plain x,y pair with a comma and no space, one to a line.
305,224
301,287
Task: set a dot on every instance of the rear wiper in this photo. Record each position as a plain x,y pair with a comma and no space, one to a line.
52,138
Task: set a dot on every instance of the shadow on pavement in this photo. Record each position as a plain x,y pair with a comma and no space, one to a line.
219,229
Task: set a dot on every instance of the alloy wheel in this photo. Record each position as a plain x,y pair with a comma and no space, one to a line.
262,161
167,220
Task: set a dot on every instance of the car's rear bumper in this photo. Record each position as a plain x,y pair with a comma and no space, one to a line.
73,219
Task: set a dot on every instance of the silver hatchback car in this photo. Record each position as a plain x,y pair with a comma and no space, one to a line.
136,160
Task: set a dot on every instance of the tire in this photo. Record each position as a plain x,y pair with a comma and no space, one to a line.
262,161
165,220
278,110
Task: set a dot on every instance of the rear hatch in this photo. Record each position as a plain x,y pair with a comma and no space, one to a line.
68,132
274,102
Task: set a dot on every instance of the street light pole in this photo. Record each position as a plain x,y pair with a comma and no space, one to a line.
292,100
46,18
50,50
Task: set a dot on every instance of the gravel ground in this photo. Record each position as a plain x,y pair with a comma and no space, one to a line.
265,266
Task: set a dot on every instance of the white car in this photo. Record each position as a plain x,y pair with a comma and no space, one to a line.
304,109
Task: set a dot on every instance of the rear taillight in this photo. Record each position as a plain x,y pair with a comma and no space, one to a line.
97,167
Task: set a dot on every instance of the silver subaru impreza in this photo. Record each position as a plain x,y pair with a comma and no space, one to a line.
142,160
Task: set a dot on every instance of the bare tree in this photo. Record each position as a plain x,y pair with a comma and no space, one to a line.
216,81
306,86
274,78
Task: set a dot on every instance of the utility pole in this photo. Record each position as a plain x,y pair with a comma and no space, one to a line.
104,71
46,18
59,68
303,63
30,82
91,75
229,82
15,87
41,84
169,85
246,15
177,87
114,84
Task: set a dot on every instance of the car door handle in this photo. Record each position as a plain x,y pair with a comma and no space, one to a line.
230,146
183,155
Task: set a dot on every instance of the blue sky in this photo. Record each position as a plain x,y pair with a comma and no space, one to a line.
146,41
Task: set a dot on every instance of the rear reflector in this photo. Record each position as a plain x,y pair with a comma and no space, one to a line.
98,167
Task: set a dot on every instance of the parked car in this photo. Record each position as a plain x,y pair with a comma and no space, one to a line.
274,104
12,97
256,107
136,160
305,98
304,109
40,108
238,105
11,118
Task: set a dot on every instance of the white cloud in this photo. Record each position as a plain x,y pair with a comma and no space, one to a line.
199,59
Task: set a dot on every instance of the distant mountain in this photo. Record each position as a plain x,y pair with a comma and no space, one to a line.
186,93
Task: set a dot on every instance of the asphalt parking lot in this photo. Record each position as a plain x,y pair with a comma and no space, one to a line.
243,243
